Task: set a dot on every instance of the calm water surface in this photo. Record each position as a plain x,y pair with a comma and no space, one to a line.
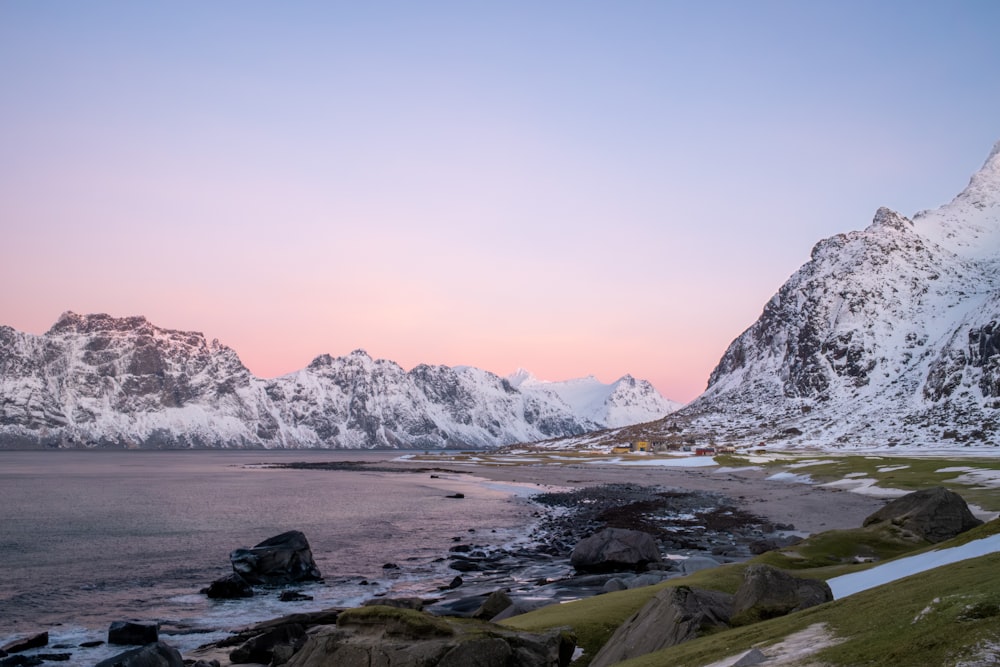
89,537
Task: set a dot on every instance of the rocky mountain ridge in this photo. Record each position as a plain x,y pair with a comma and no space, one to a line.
889,336
101,381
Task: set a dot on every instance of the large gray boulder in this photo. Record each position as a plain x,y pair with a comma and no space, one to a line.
767,592
674,615
378,635
157,654
615,550
934,514
282,559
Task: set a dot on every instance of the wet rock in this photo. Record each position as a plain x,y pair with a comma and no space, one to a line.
133,633
767,592
156,654
230,587
674,615
614,549
294,596
261,648
282,559
36,640
934,514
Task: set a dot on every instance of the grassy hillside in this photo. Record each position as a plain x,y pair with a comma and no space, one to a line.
929,619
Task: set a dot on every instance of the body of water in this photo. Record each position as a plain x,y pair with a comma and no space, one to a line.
90,537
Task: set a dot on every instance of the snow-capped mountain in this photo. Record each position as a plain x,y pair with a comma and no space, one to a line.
100,381
887,336
621,403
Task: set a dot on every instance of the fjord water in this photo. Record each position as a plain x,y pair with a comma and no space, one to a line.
89,537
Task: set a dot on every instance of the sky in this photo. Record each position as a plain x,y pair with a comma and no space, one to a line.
571,187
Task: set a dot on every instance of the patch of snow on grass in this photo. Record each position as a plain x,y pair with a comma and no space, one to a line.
804,464
980,477
795,648
866,486
955,469
892,468
791,477
855,475
926,610
849,584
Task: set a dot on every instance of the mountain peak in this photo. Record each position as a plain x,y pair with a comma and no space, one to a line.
70,322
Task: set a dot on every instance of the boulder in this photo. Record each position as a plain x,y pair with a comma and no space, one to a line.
133,633
156,654
934,514
417,604
674,615
767,592
615,549
230,587
405,638
495,603
261,648
282,559
697,563
37,640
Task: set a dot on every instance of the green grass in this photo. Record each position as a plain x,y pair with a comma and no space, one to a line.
820,557
937,617
904,473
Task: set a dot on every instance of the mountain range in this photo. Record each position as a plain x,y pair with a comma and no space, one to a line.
102,381
889,336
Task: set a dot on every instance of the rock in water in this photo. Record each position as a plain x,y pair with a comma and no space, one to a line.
674,615
157,654
283,559
133,633
230,587
18,645
615,549
934,514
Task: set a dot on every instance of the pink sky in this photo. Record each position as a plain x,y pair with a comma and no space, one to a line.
573,189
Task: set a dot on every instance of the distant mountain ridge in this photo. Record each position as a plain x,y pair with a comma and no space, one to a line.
101,381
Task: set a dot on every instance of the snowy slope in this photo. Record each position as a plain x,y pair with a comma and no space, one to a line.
886,337
623,402
99,381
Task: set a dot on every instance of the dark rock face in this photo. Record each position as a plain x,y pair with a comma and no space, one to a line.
230,587
404,638
156,654
615,549
495,603
133,633
37,640
935,514
767,592
674,615
282,559
283,640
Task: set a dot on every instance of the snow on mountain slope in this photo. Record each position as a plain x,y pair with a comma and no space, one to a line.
99,381
888,336
623,402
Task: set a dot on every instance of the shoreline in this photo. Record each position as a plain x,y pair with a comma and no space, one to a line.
516,564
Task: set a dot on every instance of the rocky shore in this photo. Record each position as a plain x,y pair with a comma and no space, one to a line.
696,520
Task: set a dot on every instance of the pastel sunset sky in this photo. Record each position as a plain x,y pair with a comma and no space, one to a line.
572,187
